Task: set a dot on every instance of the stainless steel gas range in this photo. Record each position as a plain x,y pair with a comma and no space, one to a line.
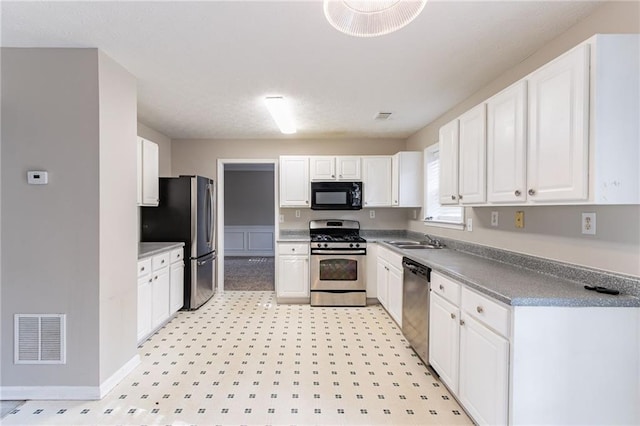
337,271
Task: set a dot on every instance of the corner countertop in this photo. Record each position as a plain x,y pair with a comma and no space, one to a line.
512,284
150,249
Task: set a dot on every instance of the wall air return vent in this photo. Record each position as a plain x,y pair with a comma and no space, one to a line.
39,339
383,116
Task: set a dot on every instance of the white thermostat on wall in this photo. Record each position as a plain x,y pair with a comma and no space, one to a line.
37,177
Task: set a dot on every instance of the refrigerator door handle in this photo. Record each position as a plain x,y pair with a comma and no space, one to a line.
210,216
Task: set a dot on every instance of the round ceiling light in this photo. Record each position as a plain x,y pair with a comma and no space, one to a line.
361,18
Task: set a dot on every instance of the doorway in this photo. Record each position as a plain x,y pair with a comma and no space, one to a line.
247,211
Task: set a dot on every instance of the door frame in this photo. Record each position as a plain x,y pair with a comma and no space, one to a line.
220,208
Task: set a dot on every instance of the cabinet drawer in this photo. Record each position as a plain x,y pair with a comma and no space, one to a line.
160,260
486,311
297,248
177,254
446,288
144,266
394,259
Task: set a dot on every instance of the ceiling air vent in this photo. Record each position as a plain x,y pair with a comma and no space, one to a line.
39,338
383,116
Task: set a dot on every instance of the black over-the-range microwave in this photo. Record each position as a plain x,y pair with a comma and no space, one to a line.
336,195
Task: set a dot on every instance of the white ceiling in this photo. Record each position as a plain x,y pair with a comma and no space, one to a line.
203,68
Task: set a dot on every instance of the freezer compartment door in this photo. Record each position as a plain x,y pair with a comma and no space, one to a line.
202,280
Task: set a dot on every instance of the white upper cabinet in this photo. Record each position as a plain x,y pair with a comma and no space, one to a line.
506,145
294,181
557,155
406,179
376,180
148,173
335,168
472,156
449,163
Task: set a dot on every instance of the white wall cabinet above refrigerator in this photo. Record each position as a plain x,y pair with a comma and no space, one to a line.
335,168
148,173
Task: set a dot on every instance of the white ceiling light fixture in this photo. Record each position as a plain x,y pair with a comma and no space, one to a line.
281,114
371,18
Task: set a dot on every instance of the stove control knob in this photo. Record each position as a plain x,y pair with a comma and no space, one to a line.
357,244
326,245
351,245
319,244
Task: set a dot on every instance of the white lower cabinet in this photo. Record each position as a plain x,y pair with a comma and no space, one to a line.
292,274
444,335
389,277
144,305
160,290
466,350
484,372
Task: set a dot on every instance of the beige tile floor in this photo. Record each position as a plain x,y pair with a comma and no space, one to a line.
242,359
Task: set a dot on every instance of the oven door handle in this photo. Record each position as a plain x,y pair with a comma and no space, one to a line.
338,253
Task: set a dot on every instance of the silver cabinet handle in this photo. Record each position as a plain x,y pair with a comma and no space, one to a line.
532,192
150,280
453,316
155,278
334,176
460,197
441,287
293,249
162,261
480,309
461,322
517,192
142,269
453,197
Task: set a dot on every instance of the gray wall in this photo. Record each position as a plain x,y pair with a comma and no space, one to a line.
195,156
69,246
248,198
553,232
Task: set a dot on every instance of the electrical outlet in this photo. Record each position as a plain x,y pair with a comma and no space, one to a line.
372,214
589,223
297,213
519,219
469,224
494,219
281,218
415,214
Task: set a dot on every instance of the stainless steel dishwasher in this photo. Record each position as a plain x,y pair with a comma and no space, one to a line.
415,307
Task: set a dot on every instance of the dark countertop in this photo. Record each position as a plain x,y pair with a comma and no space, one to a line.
150,249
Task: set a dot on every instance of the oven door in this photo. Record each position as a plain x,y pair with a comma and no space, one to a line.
338,271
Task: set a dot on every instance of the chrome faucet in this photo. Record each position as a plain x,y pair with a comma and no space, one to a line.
433,241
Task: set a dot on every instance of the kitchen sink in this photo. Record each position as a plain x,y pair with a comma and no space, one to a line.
403,243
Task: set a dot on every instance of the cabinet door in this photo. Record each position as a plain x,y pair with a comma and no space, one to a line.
406,182
376,179
293,276
150,173
444,340
176,296
484,372
449,163
322,168
294,182
144,306
557,157
160,291
472,156
506,145
348,168
382,277
394,294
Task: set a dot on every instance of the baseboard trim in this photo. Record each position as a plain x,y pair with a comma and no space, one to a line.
19,393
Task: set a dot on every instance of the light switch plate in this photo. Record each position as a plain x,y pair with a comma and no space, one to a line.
37,177
494,219
372,214
469,224
519,219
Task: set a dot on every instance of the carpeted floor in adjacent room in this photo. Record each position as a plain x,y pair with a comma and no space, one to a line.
249,273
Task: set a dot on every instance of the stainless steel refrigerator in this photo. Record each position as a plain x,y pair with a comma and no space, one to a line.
186,213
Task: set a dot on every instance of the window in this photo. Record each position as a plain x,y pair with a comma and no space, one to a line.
435,213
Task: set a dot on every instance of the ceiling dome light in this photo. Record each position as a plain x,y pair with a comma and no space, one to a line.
361,18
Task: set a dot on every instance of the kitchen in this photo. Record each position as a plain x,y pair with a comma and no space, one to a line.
549,232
